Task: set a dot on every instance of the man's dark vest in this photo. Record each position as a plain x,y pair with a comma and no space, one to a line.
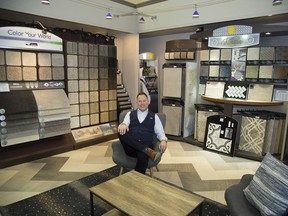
142,131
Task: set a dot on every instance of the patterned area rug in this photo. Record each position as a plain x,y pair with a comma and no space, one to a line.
73,199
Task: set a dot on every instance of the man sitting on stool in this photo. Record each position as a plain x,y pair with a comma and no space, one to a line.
136,134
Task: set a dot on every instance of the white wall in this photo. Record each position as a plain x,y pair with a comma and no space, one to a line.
128,62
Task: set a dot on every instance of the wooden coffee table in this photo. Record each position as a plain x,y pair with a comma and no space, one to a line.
136,194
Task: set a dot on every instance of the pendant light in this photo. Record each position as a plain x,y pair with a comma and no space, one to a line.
47,2
109,15
141,20
195,14
277,2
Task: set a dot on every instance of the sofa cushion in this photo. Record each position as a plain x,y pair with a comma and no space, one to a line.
268,190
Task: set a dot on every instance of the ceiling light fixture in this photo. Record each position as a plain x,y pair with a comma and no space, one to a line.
277,2
46,2
195,14
141,15
109,16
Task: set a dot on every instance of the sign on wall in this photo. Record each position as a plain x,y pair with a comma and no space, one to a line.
16,37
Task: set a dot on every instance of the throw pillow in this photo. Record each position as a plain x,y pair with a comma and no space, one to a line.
268,191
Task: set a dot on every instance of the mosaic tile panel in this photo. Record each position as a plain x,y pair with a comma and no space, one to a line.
236,90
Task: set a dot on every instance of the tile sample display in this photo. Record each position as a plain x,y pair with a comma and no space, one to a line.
260,92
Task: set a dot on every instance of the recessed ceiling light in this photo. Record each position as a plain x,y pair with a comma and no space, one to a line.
268,33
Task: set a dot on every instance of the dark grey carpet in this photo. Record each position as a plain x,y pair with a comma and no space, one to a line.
73,199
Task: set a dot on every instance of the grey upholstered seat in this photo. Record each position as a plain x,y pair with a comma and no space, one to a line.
124,161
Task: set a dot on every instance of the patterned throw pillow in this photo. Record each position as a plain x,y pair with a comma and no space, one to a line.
268,191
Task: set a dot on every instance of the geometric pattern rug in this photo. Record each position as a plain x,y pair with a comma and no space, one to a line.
73,199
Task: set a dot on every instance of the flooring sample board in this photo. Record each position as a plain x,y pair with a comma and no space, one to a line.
104,117
73,98
14,73
281,53
75,122
57,60
44,59
113,115
74,110
280,72
112,94
72,73
73,86
214,55
93,73
84,109
112,105
58,73
260,92
177,55
226,54
172,79
93,49
252,71
172,56
94,119
183,55
83,85
13,58
201,123
93,96
267,53
93,85
104,84
253,53
93,61
84,120
94,107
51,99
83,61
3,73
214,89
84,97
252,135
266,71
225,71
103,73
104,95
213,70
45,73
28,59
204,70
2,57
29,74
104,106
72,47
103,50
220,135
72,60
204,55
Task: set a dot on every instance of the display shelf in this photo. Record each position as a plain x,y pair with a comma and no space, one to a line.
229,103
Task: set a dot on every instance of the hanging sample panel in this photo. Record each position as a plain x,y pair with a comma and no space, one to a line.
252,134
172,82
19,118
220,134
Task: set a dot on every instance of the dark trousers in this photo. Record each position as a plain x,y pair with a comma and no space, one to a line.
136,149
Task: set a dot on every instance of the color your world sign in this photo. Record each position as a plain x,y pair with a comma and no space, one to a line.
15,37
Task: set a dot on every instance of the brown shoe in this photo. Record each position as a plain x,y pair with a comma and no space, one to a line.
154,155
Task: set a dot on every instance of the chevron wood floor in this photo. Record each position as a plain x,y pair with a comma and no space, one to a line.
185,165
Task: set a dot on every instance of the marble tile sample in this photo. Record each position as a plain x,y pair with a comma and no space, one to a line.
72,47
94,96
266,71
13,58
225,54
58,73
84,97
93,73
94,107
72,73
93,85
29,74
73,86
28,59
14,73
45,73
44,59
72,60
57,59
73,98
83,85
